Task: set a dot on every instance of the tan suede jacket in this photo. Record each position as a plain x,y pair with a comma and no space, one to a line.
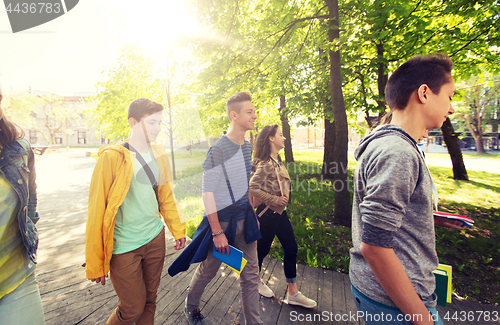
264,184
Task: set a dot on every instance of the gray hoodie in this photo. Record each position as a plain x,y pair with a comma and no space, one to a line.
392,191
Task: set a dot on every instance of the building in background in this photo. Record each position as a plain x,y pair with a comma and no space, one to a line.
312,137
64,125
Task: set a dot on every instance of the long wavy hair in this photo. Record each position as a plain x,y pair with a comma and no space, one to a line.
9,131
263,145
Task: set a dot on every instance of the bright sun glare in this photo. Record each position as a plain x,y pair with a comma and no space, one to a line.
152,24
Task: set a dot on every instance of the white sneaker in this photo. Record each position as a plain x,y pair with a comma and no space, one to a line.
264,290
300,300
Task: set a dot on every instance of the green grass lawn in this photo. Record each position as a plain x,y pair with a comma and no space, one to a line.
475,252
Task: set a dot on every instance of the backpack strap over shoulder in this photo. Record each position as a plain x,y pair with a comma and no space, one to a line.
146,168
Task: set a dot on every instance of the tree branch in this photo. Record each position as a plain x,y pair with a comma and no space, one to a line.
278,42
481,84
300,49
472,40
232,19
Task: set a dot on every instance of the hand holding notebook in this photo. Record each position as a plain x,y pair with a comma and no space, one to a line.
466,221
234,259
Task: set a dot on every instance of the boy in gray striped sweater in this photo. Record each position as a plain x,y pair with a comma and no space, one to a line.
229,218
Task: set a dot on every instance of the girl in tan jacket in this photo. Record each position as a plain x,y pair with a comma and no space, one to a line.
270,188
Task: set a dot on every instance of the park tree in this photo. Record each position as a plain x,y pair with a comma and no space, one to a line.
262,48
282,50
133,78
386,34
451,139
21,108
139,76
479,100
54,112
25,108
339,130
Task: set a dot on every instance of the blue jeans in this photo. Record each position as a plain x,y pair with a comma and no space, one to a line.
23,305
272,224
376,313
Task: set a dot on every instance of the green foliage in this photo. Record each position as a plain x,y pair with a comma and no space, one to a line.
188,125
20,107
187,187
382,35
133,78
265,48
479,105
283,50
139,76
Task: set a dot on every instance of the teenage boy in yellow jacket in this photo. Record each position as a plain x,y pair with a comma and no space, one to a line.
125,234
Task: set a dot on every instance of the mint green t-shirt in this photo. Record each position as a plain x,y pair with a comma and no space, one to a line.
137,220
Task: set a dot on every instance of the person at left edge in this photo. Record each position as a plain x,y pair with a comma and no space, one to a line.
20,301
125,235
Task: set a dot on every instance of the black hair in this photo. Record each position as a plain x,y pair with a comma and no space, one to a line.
142,107
432,70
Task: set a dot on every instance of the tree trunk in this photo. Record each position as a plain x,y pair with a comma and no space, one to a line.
328,155
342,212
451,140
286,130
368,119
171,123
479,142
252,141
382,78
40,131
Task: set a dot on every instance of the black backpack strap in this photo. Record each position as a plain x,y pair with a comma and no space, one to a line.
228,183
145,166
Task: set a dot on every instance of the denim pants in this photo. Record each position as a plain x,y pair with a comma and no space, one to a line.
136,277
23,305
376,313
272,224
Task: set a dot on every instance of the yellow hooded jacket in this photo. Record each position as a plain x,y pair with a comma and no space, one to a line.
108,188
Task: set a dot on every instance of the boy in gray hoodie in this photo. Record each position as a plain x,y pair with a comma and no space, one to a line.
394,250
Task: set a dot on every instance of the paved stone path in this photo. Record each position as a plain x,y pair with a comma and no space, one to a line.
63,181
477,164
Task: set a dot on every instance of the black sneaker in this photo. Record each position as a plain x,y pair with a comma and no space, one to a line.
195,318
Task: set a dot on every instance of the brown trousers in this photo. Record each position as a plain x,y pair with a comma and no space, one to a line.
136,277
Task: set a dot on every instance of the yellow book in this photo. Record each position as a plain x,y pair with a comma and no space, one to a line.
243,263
448,270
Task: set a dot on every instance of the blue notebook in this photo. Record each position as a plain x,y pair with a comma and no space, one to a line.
233,260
